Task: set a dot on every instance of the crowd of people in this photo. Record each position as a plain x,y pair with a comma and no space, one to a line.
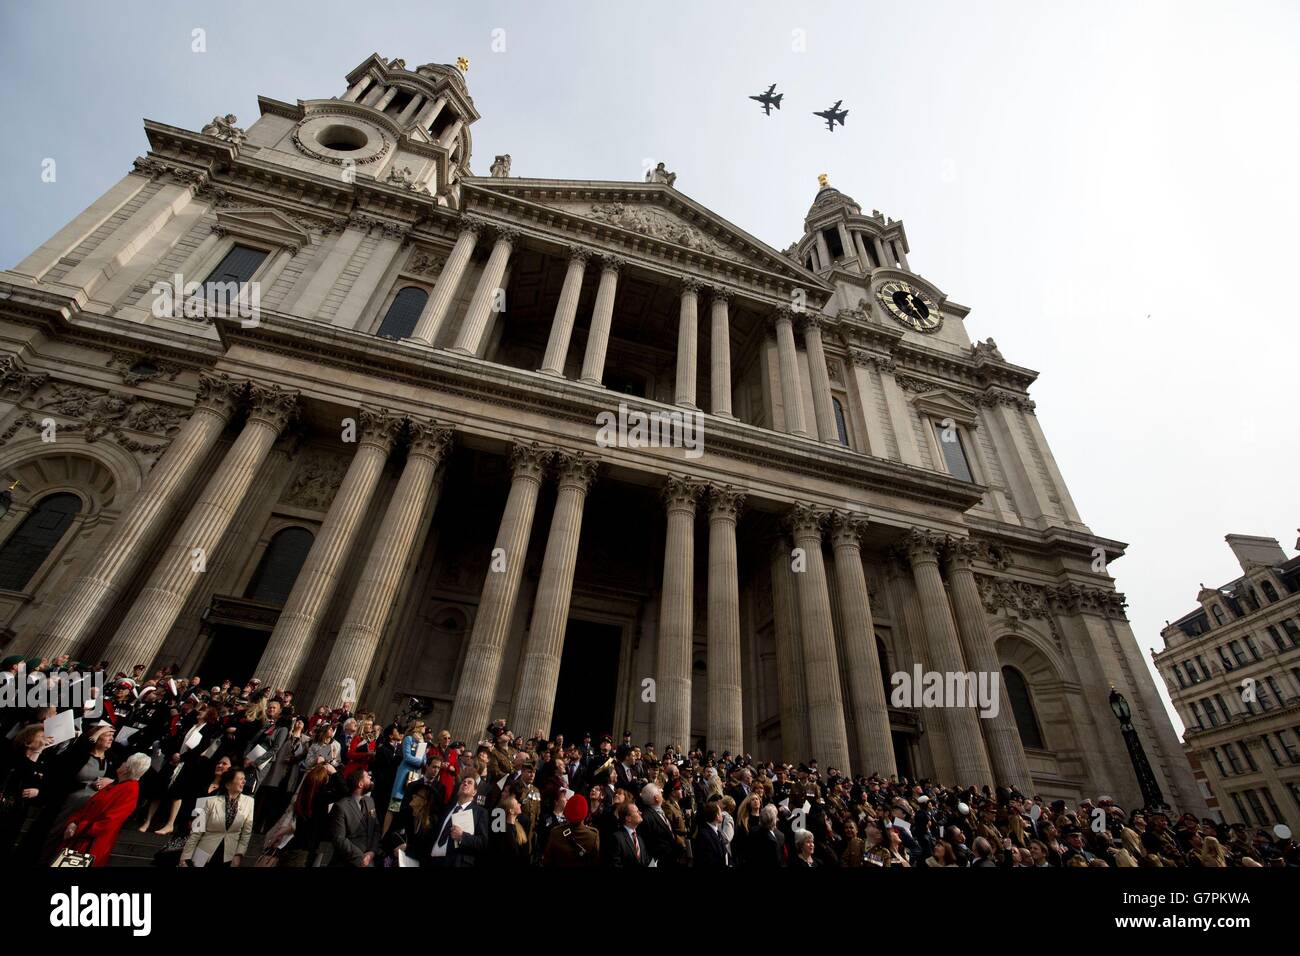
208,767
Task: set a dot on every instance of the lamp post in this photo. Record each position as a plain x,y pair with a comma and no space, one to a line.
1151,795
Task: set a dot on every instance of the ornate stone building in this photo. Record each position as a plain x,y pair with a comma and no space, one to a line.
1232,667
384,479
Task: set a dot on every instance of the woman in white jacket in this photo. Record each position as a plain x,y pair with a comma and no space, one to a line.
223,825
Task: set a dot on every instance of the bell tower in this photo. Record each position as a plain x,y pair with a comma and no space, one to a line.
407,128
838,237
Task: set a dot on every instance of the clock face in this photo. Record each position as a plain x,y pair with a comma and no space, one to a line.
910,305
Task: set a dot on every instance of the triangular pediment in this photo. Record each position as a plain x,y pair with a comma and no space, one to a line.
656,212
263,223
941,403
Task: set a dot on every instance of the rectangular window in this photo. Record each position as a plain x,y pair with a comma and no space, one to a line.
1205,670
1272,750
1252,797
235,268
1291,755
1178,673
1295,792
1194,677
1250,760
1237,652
1272,805
954,455
1261,696
1253,647
1210,712
1241,809
1196,712
1227,661
1227,714
1278,642
1292,632
1218,762
1277,694
1230,751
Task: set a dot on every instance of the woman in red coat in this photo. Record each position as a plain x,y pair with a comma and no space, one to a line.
93,829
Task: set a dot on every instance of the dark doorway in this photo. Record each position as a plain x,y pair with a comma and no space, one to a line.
902,754
588,685
232,655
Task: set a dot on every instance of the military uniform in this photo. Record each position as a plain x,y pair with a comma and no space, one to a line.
530,807
572,844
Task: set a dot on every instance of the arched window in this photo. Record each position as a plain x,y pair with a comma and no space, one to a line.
1022,706
400,321
279,567
29,546
840,425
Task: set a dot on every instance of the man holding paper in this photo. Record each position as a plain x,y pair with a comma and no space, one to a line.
463,829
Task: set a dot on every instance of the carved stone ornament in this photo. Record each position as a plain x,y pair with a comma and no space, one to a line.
379,427
16,380
654,223
369,224
273,405
95,415
660,175
405,178
529,460
425,264
847,528
995,396
500,167
224,128
157,169
137,369
316,480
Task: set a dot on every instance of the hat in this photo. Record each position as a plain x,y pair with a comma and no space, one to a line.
922,799
11,660
963,809
575,810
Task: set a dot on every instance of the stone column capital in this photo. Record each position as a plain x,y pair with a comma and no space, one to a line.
721,293
725,501
865,359
428,439
506,234
219,393
473,224
529,460
780,315
612,263
379,427
272,405
847,528
576,469
962,553
923,545
680,493
813,322
579,253
690,285
806,520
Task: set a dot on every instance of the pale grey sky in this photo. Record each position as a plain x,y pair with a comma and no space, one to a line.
1110,186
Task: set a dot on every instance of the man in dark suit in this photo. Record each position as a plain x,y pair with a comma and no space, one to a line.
455,845
353,828
627,849
656,831
710,848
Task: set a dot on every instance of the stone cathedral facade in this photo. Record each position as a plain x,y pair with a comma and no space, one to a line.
383,480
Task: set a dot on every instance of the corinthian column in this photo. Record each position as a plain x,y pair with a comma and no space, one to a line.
489,285
677,616
823,409
476,690
313,589
720,352
133,534
395,542
444,290
961,725
827,731
541,665
141,634
791,390
687,343
726,712
602,317
1010,766
861,660
557,346
792,693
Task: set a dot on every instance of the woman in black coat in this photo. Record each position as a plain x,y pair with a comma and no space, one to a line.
22,783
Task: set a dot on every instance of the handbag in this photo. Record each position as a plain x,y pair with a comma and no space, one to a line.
73,860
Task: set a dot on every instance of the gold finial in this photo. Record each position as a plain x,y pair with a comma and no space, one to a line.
823,180
462,64
17,482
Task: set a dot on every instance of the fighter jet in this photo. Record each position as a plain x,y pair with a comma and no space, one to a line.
769,100
833,115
